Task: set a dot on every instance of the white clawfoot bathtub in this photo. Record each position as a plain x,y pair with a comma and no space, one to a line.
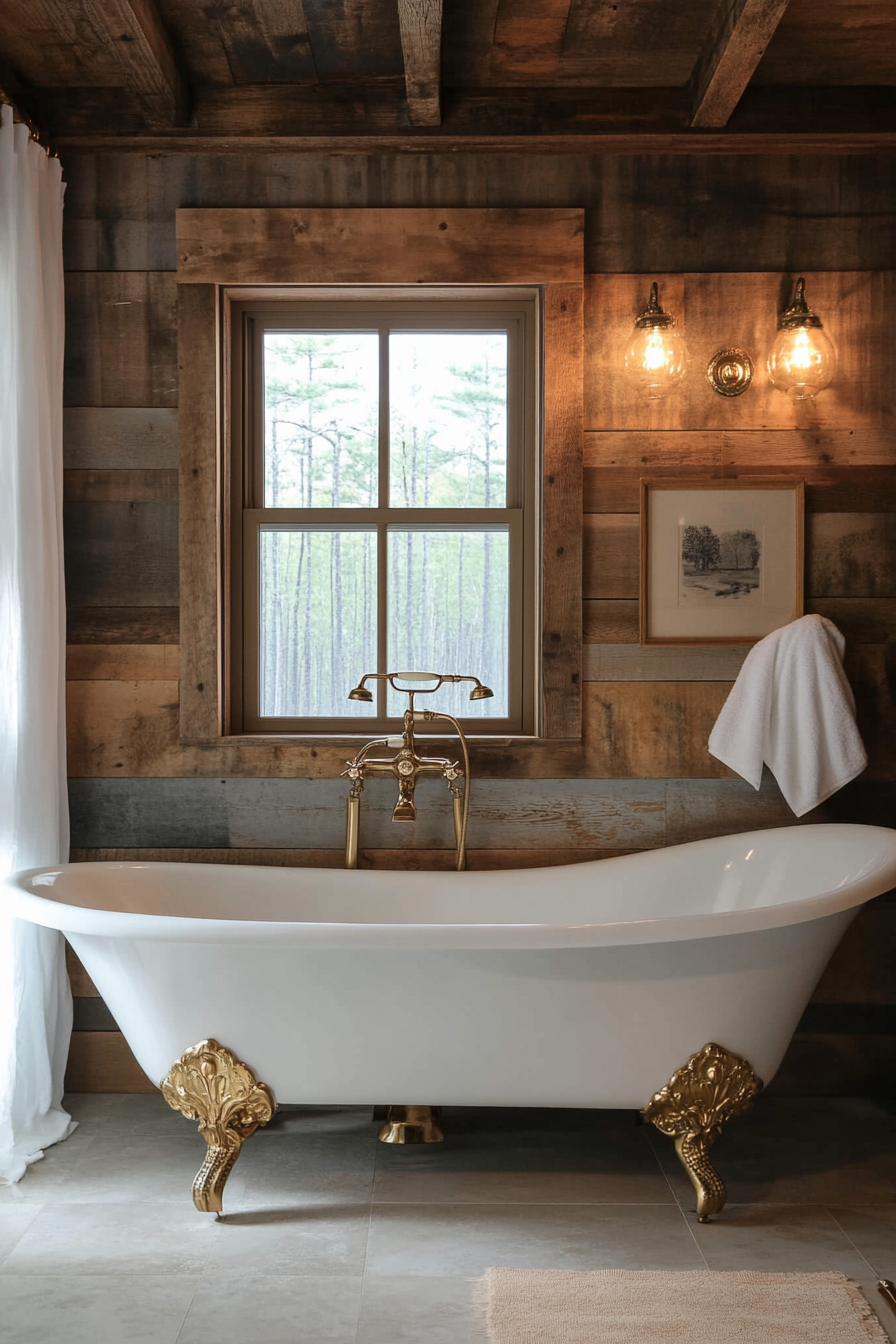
585,985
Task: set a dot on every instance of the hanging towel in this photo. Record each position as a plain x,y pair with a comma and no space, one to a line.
793,708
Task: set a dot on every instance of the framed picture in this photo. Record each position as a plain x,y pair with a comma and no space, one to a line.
721,561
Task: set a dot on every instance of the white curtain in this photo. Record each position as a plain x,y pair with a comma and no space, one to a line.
35,999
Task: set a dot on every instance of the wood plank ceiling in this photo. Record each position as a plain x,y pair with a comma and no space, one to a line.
597,75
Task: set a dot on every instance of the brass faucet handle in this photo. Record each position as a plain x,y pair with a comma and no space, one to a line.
452,770
352,771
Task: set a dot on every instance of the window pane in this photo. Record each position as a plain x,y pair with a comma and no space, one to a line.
448,419
448,612
318,614
321,398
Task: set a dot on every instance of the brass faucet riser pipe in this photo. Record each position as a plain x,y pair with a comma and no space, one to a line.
459,832
352,830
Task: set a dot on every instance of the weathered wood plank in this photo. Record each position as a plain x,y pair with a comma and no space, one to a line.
861,970
120,438
420,23
527,46
653,730
791,133
610,622
201,707
121,554
123,727
391,860
255,42
91,1014
738,309
122,662
736,43
851,555
548,814
121,346
848,555
811,450
562,568
104,486
122,625
102,1061
863,620
632,662
828,489
132,33
618,489
643,215
697,809
610,556
80,981
300,813
365,35
119,728
282,246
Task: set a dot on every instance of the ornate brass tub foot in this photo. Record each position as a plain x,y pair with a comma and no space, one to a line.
411,1124
209,1084
713,1087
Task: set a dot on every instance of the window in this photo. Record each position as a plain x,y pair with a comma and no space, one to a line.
383,505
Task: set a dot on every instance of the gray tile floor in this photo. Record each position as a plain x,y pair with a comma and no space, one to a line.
333,1238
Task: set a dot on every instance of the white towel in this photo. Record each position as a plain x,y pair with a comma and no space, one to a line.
793,708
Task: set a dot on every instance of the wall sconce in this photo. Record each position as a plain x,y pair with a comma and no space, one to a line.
802,360
657,358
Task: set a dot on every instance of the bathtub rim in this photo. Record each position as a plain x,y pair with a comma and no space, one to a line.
26,904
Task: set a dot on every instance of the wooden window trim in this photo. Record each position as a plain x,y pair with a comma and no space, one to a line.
222,248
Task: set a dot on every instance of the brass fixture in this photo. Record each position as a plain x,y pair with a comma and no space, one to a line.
407,765
656,359
730,372
209,1084
802,359
886,1290
411,1124
713,1087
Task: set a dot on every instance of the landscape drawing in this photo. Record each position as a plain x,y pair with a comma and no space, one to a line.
719,567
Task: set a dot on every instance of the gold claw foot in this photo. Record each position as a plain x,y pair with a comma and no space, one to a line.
209,1084
411,1124
713,1087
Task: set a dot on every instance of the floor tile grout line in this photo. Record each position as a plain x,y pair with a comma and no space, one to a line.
375,1157
183,1324
852,1243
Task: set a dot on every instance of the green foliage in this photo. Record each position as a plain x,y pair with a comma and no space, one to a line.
447,589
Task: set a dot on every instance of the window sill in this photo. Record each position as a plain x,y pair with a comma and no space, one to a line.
349,740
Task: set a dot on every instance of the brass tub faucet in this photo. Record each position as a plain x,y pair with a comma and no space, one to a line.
411,1124
407,765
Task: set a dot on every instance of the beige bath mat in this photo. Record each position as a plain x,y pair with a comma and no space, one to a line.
616,1306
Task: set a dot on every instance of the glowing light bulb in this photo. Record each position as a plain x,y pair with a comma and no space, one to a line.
802,360
657,358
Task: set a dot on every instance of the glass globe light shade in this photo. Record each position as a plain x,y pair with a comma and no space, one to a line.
657,358
802,359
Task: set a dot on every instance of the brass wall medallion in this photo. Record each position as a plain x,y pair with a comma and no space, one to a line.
209,1084
714,1086
730,372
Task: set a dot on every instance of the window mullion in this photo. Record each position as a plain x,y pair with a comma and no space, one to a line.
382,615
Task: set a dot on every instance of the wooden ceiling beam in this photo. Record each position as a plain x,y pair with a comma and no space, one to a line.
611,143
132,32
736,43
420,22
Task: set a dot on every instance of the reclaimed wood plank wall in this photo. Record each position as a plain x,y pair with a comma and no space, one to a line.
713,232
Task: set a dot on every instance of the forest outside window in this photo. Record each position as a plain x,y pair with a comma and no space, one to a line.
383,507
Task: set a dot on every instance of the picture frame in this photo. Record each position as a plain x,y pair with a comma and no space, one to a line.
721,560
